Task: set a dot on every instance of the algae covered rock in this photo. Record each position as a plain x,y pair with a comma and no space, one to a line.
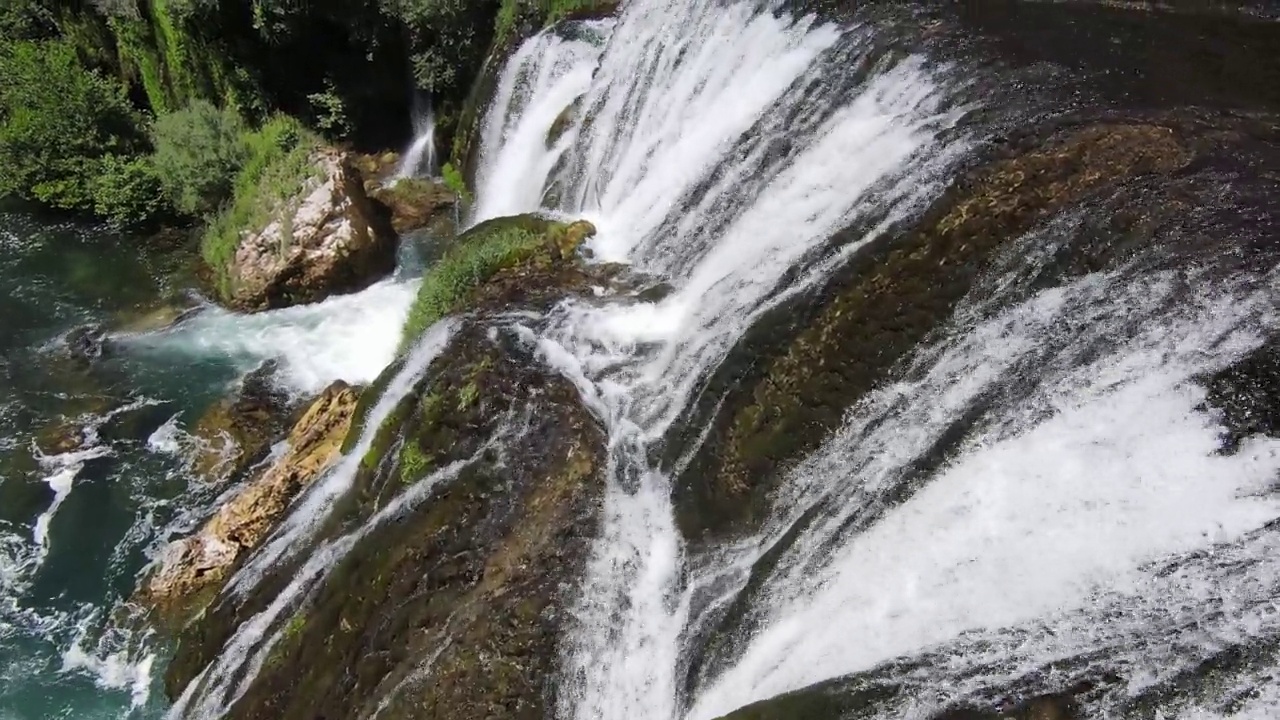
495,470
888,299
237,430
501,255
413,202
192,569
328,238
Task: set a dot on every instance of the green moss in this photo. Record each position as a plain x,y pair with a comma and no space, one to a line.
279,163
468,395
413,462
479,255
295,626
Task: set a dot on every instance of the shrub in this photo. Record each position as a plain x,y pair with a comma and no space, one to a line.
58,124
199,150
128,193
454,181
277,164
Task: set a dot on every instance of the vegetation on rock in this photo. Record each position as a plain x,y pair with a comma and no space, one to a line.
276,164
480,254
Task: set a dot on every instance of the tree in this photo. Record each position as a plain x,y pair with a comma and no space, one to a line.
58,124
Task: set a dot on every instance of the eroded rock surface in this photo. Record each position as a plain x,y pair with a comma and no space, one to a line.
329,239
193,568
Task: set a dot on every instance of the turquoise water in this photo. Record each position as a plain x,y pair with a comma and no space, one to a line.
77,529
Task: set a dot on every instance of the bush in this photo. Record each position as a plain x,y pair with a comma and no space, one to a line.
454,181
128,192
199,150
58,124
277,164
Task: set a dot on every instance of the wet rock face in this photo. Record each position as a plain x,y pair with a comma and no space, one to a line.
238,430
889,299
457,607
413,202
194,568
330,239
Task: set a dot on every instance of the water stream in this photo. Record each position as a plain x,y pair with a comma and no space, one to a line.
1084,523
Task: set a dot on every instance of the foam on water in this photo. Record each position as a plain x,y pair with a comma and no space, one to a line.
346,337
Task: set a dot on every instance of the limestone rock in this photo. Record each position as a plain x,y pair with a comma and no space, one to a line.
329,239
413,202
192,569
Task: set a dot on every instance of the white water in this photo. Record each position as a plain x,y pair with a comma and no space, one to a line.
420,159
676,90
229,676
1064,498
544,77
346,337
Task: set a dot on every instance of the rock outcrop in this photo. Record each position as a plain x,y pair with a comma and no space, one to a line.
192,569
456,607
413,202
239,429
328,239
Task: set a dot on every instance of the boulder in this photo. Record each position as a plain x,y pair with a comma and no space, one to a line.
239,429
192,569
328,239
413,202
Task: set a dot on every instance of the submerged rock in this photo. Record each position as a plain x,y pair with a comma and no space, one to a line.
238,430
329,239
192,570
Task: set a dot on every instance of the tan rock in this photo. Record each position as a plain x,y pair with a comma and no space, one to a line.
329,239
193,569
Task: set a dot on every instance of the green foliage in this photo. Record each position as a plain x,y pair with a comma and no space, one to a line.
58,124
454,181
128,192
413,462
464,268
277,164
331,111
25,20
199,150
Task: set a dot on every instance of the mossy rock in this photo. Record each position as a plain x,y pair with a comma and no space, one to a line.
518,259
477,575
887,301
413,202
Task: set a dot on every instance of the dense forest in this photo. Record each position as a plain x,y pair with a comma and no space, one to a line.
150,111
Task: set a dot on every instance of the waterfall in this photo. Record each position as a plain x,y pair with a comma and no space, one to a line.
420,158
226,679
1035,497
702,154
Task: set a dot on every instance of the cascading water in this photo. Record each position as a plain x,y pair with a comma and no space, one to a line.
703,156
420,158
1036,498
